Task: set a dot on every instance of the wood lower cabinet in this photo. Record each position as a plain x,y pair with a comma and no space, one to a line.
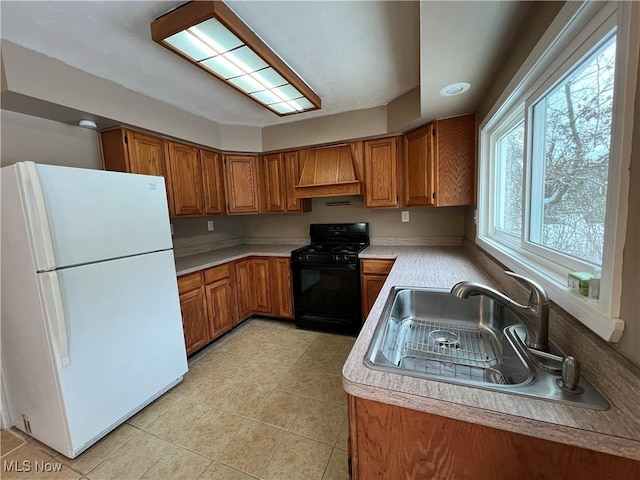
282,298
261,282
194,311
244,288
185,167
386,441
220,305
242,183
373,274
381,173
439,163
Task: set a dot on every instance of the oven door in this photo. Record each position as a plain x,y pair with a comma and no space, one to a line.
327,296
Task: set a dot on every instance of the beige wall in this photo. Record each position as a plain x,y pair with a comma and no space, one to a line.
424,221
188,232
239,138
26,138
332,128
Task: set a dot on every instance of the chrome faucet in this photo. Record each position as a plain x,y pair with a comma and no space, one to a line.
534,316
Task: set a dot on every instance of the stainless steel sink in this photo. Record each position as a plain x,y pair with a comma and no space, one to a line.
429,333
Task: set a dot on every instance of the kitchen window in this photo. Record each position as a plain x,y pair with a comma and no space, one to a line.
554,155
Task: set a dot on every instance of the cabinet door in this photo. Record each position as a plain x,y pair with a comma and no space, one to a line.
381,172
186,179
194,320
283,288
243,193
219,305
455,159
243,289
261,292
291,179
274,192
146,154
213,182
371,286
418,168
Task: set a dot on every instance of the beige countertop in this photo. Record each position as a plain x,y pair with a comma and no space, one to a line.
193,263
615,431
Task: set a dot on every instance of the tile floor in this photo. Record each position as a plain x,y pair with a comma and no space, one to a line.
265,401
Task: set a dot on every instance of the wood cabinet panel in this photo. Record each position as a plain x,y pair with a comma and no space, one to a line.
242,183
274,182
261,292
146,154
376,267
213,182
194,320
243,289
381,172
189,282
456,158
387,441
214,274
371,286
186,179
282,287
419,166
291,179
220,307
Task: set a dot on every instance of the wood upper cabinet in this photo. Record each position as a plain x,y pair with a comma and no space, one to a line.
185,168
282,287
242,183
274,182
261,291
213,182
291,179
373,275
439,163
194,311
381,172
244,287
387,441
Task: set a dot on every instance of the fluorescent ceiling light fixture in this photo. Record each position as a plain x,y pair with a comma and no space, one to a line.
455,89
209,35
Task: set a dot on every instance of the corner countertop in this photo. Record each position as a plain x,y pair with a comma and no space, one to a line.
615,431
199,261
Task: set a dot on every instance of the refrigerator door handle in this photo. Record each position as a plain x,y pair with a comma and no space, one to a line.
55,313
38,218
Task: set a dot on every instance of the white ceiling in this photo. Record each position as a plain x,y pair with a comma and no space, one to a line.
354,54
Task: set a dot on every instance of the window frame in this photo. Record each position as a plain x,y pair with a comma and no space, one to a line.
578,29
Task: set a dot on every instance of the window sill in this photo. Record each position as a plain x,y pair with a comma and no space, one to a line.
585,310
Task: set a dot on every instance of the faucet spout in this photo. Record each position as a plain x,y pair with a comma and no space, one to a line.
534,316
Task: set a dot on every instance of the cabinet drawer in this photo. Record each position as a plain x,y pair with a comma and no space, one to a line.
380,267
186,283
214,274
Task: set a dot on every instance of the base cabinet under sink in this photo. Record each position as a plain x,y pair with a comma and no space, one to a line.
387,441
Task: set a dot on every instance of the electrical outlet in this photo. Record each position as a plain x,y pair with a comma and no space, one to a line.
210,225
171,225
405,216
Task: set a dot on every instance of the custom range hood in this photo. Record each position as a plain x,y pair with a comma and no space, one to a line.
331,171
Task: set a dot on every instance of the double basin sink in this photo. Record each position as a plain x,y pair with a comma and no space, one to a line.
429,333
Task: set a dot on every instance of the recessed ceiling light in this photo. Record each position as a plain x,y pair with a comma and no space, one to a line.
455,89
87,124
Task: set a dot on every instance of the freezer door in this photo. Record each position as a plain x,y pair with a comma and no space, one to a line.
79,216
123,342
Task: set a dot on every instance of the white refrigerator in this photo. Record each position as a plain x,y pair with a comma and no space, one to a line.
91,327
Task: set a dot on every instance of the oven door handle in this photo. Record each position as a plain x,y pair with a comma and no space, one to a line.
325,266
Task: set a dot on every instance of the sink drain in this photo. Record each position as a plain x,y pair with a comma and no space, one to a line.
445,339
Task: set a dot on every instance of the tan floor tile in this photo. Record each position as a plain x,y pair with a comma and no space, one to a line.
318,360
252,447
178,464
244,398
155,409
213,360
319,386
212,433
239,367
268,373
328,341
298,457
337,469
14,466
237,344
9,441
211,391
279,409
284,355
320,421
343,436
288,337
132,459
217,471
88,460
172,424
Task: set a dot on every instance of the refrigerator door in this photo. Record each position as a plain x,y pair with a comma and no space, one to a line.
120,342
79,216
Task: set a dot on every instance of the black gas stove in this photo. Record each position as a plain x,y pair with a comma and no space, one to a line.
326,277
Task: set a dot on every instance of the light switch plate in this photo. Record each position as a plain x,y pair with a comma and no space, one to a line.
405,216
210,225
